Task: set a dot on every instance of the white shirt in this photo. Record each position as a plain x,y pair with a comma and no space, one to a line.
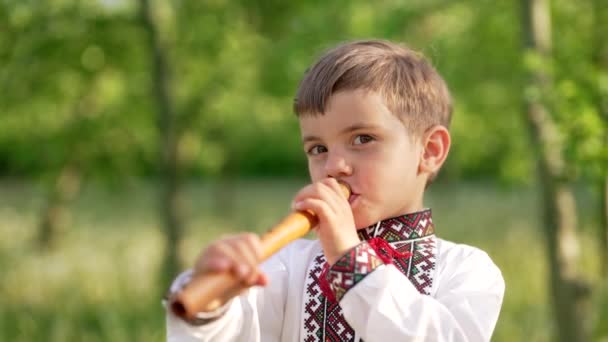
463,305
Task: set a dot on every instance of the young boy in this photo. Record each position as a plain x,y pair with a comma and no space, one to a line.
374,116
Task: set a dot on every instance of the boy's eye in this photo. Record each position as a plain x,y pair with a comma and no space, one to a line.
317,149
362,139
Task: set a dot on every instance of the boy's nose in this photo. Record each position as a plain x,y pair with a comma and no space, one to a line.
337,166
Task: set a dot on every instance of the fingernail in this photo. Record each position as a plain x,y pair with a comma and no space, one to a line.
297,205
243,270
222,264
262,280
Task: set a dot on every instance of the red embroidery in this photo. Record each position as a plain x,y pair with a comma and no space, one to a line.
355,265
386,252
324,284
408,242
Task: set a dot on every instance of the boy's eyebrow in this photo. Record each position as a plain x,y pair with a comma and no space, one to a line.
351,128
358,126
309,138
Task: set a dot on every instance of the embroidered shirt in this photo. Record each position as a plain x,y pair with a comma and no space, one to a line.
442,292
411,237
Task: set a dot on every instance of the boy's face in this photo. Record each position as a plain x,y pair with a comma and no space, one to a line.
360,142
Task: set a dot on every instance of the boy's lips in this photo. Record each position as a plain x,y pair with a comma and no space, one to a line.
353,196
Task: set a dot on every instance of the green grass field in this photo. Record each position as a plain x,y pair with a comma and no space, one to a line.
100,284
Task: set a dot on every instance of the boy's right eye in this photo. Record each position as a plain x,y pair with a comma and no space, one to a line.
317,149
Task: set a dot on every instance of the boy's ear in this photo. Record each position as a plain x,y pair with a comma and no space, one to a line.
435,147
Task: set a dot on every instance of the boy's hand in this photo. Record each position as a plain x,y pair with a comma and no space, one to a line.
336,230
239,254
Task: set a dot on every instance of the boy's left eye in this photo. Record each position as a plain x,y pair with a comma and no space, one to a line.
362,139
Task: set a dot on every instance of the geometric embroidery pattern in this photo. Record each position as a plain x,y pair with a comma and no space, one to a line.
414,233
352,268
406,227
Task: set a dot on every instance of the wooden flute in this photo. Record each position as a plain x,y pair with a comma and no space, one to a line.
205,289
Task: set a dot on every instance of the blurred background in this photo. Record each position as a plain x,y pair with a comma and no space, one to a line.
132,132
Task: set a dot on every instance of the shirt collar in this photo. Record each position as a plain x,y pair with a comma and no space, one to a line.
401,228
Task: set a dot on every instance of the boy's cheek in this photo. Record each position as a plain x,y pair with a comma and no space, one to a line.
315,170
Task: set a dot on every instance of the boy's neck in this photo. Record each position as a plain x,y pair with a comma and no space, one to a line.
403,227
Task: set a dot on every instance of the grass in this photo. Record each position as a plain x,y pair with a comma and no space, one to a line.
100,283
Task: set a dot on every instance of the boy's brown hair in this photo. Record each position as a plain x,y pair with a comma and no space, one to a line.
410,86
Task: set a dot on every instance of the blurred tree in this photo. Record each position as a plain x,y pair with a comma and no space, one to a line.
578,99
67,184
568,291
600,59
67,107
236,66
170,203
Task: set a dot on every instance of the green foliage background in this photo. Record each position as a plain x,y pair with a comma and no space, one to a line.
75,88
75,81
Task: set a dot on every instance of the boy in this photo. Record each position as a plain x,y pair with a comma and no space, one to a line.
374,116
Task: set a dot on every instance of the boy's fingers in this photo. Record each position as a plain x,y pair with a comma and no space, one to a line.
338,196
262,279
318,190
243,271
255,244
211,259
217,264
249,258
250,244
332,183
253,277
329,194
336,187
239,254
305,192
229,255
317,206
257,279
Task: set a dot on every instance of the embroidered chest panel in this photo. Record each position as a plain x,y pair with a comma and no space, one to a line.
323,319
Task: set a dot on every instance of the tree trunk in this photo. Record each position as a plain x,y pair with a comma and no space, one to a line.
600,59
170,204
224,196
559,209
604,222
55,214
67,184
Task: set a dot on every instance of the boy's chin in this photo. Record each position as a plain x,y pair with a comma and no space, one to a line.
364,222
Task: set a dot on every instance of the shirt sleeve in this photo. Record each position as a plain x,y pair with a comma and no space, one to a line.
254,316
381,304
